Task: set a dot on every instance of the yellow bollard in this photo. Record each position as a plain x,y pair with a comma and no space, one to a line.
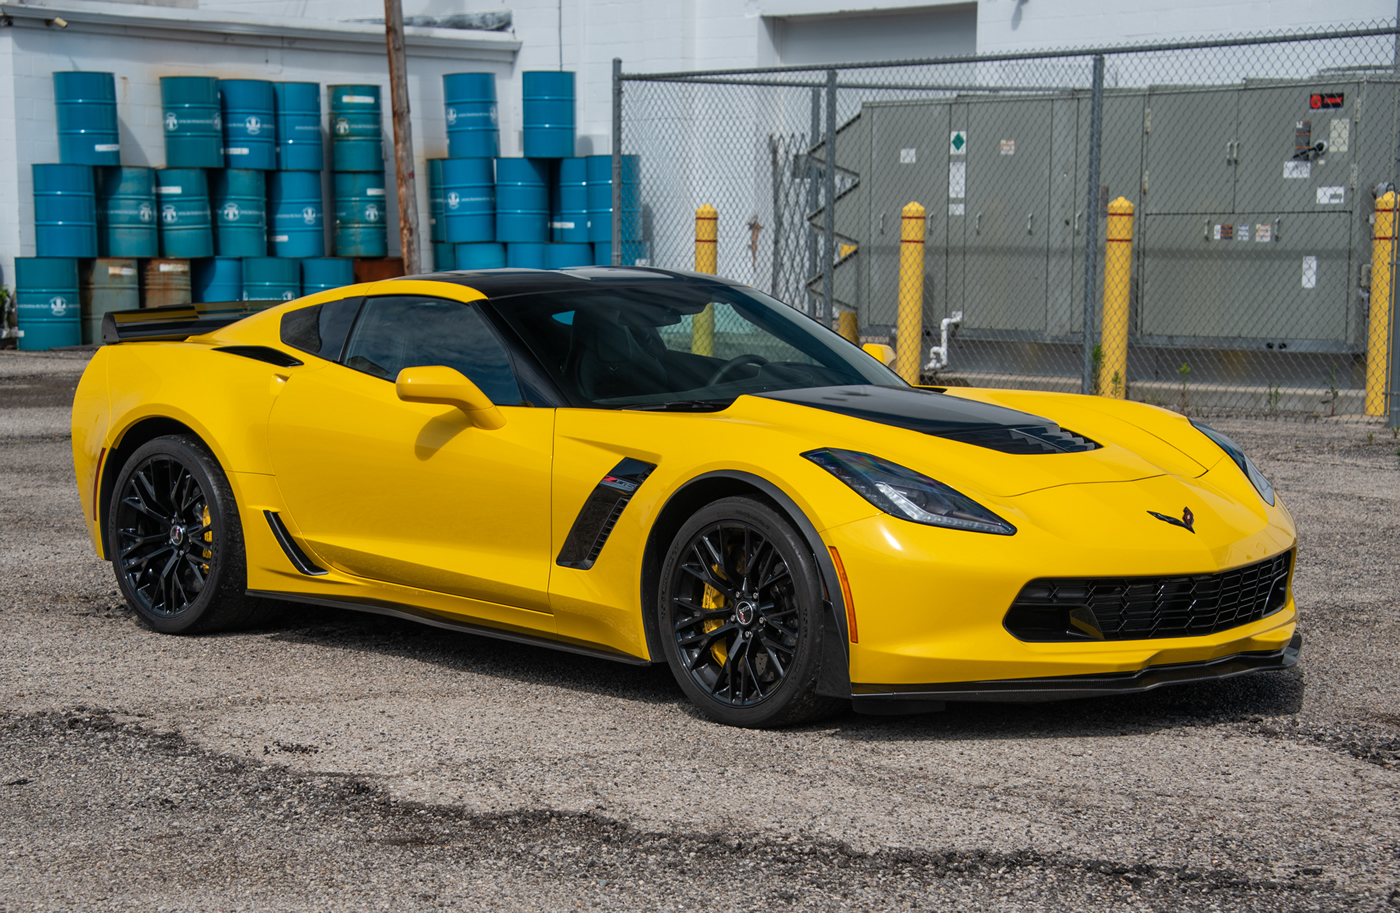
910,320
1117,276
847,324
1382,289
702,329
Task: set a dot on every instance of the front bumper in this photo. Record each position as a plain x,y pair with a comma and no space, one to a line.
875,698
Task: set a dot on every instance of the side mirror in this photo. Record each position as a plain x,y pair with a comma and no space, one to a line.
881,353
439,384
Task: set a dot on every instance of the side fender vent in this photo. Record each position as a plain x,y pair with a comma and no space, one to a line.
600,513
263,353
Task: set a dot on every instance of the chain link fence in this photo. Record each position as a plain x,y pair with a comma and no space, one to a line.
1206,210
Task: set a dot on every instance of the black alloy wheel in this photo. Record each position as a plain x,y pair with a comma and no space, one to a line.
740,613
176,545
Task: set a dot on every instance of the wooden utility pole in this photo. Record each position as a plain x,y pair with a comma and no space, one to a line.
403,138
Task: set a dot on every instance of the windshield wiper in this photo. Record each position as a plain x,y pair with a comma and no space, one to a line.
683,405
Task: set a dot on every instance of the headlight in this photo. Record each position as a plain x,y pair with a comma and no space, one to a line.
904,493
1256,478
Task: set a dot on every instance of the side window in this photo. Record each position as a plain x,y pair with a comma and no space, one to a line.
400,332
320,329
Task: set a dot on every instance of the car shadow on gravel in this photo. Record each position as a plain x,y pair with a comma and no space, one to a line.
359,632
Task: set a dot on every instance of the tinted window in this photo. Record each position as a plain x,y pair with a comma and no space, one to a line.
680,342
400,332
320,329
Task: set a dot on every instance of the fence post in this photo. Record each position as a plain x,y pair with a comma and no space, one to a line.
617,162
1091,225
829,258
1117,286
1382,290
910,317
702,328
813,195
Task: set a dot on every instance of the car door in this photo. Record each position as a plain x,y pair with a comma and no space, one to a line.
412,493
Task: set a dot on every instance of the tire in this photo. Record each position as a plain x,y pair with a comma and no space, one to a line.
746,655
176,541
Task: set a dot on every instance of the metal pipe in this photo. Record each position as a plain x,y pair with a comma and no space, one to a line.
617,162
1117,288
828,315
1091,227
938,357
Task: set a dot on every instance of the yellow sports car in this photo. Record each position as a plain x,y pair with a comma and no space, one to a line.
653,466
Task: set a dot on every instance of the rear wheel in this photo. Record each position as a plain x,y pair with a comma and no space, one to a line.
176,541
740,615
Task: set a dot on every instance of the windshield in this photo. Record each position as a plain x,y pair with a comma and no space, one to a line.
681,344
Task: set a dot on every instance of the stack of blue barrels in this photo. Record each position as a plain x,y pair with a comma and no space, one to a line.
357,163
463,185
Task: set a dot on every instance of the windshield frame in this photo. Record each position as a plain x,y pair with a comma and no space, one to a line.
515,312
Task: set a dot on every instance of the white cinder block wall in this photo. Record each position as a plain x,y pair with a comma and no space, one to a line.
312,40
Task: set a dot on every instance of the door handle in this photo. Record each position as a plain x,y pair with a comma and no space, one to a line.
882,223
1228,145
1077,214
977,228
1205,231
1030,220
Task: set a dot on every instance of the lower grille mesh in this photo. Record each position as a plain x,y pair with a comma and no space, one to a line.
1143,608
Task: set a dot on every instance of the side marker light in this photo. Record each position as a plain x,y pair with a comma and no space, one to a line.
845,593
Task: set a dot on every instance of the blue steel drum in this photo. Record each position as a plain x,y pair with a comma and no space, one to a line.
126,213
194,123
186,230
321,274
527,255
298,116
600,198
47,302
87,118
357,134
297,214
570,219
359,215
444,256
563,256
491,255
470,101
437,219
65,211
271,279
238,197
522,200
634,253
469,200
218,279
548,97
106,284
250,124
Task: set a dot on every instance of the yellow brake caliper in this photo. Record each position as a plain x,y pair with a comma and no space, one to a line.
714,600
208,537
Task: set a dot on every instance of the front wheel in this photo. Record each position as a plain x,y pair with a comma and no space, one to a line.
177,545
740,615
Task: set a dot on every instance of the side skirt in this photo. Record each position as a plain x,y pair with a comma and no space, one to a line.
412,613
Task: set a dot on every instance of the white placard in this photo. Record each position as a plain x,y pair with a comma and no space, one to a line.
1242,232
1264,232
357,99
957,180
1339,138
1297,169
957,209
1309,272
281,238
107,147
1008,147
165,190
1328,196
375,192
236,151
908,156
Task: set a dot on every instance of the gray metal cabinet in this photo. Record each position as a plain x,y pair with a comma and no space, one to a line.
1190,150
1272,172
1211,281
1005,231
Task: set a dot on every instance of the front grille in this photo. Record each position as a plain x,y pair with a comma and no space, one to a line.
1143,608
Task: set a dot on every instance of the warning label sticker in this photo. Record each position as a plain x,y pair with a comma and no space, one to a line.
957,209
908,156
957,180
1224,232
1339,137
957,142
1241,232
1309,272
1328,196
1297,169
1008,147
1264,232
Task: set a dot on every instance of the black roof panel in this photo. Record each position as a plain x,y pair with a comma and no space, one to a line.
500,283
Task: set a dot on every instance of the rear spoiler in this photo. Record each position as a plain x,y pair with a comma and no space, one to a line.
177,321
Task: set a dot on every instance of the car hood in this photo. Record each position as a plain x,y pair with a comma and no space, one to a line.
990,447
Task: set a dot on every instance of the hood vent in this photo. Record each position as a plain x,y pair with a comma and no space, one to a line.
1025,440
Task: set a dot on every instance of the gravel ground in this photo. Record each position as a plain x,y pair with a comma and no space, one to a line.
345,762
